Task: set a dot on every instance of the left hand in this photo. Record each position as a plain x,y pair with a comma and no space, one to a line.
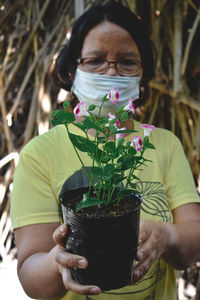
152,244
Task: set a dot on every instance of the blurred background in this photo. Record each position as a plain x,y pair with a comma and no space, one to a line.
31,34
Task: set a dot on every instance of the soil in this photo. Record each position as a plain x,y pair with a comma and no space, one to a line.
114,209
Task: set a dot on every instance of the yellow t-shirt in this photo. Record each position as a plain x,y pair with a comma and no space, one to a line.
48,160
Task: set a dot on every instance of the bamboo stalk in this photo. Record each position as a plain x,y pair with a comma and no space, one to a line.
9,13
4,112
177,49
32,68
23,86
155,106
181,98
12,156
190,122
26,46
189,43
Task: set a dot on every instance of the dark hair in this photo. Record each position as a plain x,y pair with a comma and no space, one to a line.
116,13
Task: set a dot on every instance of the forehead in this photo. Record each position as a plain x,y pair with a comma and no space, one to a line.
109,38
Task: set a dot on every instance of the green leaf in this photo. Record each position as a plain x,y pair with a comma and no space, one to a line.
110,147
88,203
118,178
81,143
126,161
132,151
62,116
147,144
115,154
105,98
112,129
90,123
105,158
121,149
150,146
97,171
108,170
91,107
125,131
54,122
101,139
66,104
145,140
120,109
124,116
55,113
132,185
121,142
128,144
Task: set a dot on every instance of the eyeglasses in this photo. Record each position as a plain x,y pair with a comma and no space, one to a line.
125,66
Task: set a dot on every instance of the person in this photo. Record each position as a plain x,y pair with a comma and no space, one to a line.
108,47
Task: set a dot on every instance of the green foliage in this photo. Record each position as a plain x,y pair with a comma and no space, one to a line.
113,162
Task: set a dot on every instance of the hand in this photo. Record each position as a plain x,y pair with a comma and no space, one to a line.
67,260
152,244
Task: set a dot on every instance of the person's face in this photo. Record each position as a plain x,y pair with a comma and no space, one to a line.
110,41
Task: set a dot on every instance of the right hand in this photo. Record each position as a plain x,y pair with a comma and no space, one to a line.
66,260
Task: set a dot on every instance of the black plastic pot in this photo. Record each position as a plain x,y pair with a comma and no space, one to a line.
109,243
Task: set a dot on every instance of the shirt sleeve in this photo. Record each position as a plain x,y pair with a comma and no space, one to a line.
33,200
179,179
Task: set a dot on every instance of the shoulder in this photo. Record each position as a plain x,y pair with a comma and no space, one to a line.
45,142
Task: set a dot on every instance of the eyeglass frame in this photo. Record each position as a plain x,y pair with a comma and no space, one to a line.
79,61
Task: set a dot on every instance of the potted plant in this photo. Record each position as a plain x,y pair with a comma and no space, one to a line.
102,209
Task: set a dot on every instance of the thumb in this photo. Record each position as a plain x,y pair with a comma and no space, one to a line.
60,236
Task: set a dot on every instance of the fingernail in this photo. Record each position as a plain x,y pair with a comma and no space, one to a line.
94,290
82,263
136,275
62,228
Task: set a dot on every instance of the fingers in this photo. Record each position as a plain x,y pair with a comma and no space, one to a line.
60,236
144,232
146,249
143,267
150,245
69,260
76,287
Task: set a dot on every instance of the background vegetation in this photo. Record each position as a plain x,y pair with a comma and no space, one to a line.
31,34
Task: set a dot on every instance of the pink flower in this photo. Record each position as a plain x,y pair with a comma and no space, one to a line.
113,95
80,110
147,129
137,143
130,106
111,116
120,135
117,123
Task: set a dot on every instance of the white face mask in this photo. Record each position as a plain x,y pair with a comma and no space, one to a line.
91,88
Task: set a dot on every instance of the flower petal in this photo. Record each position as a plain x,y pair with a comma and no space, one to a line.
120,135
80,110
147,129
130,106
113,95
137,143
